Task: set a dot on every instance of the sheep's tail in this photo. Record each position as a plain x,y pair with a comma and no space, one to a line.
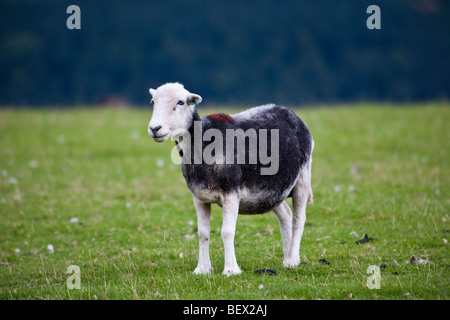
310,197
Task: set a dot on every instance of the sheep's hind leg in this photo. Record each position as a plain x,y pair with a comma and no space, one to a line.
230,205
284,216
203,215
300,195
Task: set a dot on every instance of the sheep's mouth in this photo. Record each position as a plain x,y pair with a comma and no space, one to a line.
160,138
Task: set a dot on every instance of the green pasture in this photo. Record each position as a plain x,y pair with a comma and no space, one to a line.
88,187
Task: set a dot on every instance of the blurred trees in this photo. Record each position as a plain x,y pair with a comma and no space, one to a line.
230,52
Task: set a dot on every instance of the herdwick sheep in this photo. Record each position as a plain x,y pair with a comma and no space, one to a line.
238,187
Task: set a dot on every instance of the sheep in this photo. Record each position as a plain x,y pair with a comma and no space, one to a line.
239,188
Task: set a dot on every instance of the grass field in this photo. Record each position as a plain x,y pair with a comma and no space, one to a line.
88,187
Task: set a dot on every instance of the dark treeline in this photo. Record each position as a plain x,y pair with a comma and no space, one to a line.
230,52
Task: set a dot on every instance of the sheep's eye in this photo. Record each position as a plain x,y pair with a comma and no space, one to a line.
152,102
180,102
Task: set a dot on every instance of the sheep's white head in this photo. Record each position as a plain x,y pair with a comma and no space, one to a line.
173,109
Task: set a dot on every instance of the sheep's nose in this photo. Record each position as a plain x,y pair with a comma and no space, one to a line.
155,129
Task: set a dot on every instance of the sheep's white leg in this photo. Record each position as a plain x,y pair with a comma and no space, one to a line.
230,205
203,216
284,215
300,197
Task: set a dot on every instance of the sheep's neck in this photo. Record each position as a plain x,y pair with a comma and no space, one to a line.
191,130
195,117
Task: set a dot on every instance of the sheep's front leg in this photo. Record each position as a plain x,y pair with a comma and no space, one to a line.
230,205
203,216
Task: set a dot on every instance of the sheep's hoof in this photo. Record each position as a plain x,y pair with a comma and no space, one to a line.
202,270
231,272
291,263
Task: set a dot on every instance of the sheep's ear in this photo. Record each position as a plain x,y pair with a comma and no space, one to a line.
152,91
193,99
